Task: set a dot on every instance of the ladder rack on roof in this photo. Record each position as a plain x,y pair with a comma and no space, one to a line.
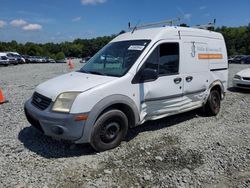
154,24
208,26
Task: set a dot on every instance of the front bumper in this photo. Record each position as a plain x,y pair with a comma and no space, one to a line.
244,84
3,62
13,62
58,125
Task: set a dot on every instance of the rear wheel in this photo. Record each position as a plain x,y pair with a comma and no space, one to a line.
212,106
109,130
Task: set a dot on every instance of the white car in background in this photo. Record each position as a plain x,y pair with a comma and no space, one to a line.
16,57
19,57
4,59
242,79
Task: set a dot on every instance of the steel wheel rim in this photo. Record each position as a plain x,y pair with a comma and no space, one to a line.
109,132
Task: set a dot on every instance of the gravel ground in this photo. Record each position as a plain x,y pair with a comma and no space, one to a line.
187,150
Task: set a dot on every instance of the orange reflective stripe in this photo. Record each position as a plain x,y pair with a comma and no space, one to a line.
210,56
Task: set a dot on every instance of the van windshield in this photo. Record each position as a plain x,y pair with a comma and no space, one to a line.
116,58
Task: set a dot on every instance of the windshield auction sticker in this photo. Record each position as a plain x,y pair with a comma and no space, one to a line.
136,47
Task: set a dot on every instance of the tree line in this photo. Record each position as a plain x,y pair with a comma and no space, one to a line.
77,48
237,41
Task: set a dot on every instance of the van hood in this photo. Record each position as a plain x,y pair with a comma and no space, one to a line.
244,73
75,81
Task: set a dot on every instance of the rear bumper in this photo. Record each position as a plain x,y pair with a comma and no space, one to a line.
58,125
244,84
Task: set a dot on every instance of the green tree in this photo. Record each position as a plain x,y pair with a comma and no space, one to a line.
60,55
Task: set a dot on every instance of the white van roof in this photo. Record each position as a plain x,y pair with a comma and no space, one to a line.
166,32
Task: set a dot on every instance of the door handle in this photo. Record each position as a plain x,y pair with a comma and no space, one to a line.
177,80
189,78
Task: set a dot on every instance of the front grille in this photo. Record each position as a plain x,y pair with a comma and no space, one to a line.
40,101
4,58
246,78
243,85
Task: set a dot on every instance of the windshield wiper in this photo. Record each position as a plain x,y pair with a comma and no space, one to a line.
96,72
93,72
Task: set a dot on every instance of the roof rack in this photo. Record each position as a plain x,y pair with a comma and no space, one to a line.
154,24
208,26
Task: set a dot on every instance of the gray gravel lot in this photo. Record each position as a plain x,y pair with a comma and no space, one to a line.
187,150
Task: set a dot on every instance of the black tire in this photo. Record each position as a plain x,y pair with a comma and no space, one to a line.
212,106
109,130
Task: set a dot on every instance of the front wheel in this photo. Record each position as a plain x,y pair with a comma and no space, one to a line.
212,106
109,130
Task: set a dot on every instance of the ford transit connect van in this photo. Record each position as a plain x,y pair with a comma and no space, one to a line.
142,75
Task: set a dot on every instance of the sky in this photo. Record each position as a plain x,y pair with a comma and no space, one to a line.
56,21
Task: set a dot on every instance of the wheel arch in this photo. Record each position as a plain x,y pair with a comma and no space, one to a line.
217,85
120,102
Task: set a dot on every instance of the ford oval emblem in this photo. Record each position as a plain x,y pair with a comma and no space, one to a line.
38,100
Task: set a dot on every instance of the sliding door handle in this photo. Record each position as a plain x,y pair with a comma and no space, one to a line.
177,80
189,78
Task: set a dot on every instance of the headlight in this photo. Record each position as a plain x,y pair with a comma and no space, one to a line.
64,102
237,77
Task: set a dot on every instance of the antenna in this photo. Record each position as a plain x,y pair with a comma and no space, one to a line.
155,24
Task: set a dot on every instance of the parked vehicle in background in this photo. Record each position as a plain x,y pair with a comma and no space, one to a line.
142,75
35,59
242,79
4,59
245,60
27,58
85,59
236,59
49,60
40,59
20,59
230,59
12,58
31,59
17,56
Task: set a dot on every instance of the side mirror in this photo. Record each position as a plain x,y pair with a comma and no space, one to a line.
146,75
149,75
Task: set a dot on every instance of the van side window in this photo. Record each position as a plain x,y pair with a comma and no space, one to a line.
169,59
164,59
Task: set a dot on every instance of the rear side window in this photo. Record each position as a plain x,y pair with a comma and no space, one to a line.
164,59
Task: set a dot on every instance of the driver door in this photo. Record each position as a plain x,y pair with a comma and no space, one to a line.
162,96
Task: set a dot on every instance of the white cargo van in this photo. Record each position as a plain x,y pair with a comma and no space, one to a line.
142,75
